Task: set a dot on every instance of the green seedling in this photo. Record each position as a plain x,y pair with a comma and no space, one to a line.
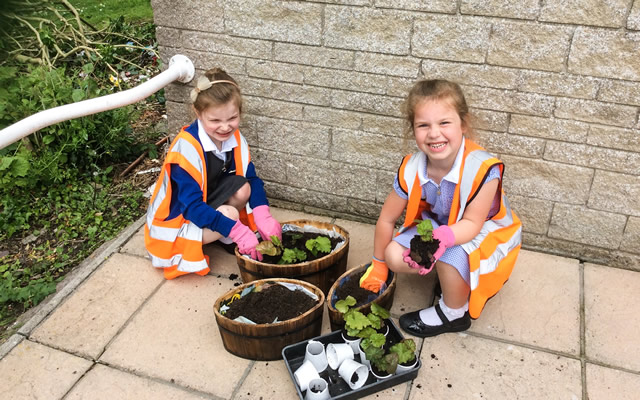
425,229
271,247
292,256
319,244
405,349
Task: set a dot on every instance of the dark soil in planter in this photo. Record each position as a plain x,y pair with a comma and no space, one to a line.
352,288
293,240
422,252
273,301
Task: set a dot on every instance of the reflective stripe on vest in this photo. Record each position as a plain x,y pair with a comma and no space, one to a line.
497,244
242,158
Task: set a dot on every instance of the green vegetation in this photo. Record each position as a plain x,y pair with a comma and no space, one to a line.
425,230
366,327
98,13
61,196
356,323
272,247
320,244
405,349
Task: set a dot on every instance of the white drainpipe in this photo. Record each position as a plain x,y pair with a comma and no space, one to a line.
180,68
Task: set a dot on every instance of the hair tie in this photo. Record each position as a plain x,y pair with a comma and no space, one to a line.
204,83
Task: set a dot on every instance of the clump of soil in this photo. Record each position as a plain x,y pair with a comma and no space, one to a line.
422,252
351,287
273,301
294,240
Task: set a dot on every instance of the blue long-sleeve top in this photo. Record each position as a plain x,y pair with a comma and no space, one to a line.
186,195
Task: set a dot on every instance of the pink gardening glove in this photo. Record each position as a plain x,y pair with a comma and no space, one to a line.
267,225
406,257
445,235
246,240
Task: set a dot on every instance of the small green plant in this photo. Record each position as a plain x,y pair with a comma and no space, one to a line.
405,349
358,324
274,247
319,244
292,256
387,362
425,229
295,237
271,247
364,326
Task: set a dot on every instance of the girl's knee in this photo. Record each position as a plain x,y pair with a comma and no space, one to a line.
229,211
243,193
393,257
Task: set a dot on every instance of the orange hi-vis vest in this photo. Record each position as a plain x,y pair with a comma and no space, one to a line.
178,242
493,252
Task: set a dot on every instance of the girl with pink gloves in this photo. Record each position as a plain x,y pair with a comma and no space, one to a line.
457,185
208,189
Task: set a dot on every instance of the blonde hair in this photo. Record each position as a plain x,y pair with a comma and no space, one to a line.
441,90
214,88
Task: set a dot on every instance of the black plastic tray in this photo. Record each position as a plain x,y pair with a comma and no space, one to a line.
293,356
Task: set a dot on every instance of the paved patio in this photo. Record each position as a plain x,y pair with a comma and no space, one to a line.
117,330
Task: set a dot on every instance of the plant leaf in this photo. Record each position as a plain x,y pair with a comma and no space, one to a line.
356,320
344,304
380,311
267,247
425,229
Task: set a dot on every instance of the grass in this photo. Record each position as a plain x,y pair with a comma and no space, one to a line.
98,12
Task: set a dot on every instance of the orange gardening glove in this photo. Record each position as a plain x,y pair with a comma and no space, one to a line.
375,276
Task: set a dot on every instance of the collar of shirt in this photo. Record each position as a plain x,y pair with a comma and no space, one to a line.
452,176
208,145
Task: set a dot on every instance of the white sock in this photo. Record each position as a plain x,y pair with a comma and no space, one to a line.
430,317
225,240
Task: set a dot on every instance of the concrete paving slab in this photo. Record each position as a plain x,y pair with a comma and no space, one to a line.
611,298
413,292
221,263
360,241
34,371
98,308
607,383
397,392
104,383
539,305
259,383
174,337
461,366
135,245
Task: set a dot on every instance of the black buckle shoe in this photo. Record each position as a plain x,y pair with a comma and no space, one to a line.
412,324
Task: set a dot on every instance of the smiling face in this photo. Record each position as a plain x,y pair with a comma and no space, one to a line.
220,121
438,131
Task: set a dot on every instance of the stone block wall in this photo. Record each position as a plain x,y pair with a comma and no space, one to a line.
554,85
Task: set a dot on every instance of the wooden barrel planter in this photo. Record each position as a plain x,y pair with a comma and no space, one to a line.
265,341
385,299
322,272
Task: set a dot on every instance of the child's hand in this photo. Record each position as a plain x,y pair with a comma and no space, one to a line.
406,257
375,276
445,235
246,240
267,225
